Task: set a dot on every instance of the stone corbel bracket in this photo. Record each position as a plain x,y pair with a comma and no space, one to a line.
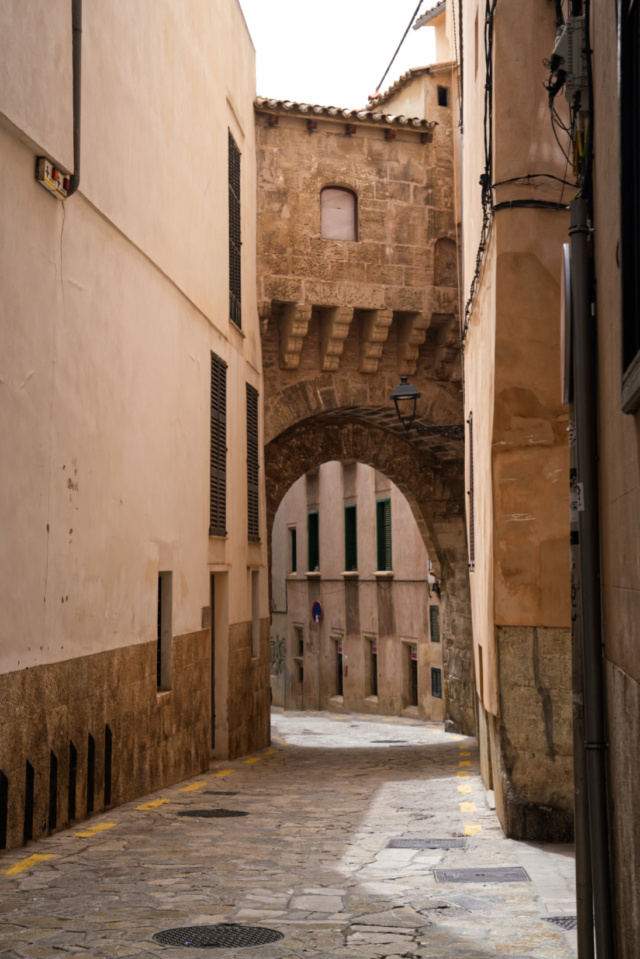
294,323
334,329
374,331
412,332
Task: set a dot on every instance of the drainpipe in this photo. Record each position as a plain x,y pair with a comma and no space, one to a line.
76,26
585,398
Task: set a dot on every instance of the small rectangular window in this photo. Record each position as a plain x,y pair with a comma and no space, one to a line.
434,623
253,491
350,539
313,544
443,96
371,666
164,630
383,532
235,240
293,549
218,451
255,613
436,683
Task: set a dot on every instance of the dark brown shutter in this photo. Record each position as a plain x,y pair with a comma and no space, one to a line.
472,519
235,244
252,464
218,463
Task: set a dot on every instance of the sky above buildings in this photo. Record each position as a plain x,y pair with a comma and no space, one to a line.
334,52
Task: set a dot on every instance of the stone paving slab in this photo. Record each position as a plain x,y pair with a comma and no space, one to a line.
310,859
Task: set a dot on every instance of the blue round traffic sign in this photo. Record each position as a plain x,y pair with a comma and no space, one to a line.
316,612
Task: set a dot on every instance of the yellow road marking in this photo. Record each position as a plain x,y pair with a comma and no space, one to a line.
270,752
471,828
192,788
153,804
464,788
467,807
464,762
24,864
254,759
94,830
462,773
223,772
465,752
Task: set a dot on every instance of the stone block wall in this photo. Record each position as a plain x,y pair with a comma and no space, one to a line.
249,690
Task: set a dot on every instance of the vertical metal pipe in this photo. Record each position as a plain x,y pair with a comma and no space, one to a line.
585,398
76,27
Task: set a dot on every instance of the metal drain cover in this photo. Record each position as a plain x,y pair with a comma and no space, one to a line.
426,844
490,874
388,742
223,936
565,922
212,813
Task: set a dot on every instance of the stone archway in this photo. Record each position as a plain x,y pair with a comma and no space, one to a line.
434,491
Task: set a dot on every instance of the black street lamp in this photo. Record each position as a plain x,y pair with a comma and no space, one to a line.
405,396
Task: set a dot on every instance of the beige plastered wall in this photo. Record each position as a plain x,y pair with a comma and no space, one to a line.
619,457
392,612
111,302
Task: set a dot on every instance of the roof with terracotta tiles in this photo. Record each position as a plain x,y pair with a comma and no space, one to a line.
369,116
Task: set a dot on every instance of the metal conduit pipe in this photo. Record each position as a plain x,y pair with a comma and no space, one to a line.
76,27
585,399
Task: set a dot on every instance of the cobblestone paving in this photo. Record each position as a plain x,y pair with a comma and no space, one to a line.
311,859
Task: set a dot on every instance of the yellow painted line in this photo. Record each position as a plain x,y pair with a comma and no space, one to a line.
94,830
464,788
254,759
153,804
464,752
464,762
192,788
270,752
471,828
467,807
462,773
24,864
224,772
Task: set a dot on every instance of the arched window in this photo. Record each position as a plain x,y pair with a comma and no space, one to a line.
338,214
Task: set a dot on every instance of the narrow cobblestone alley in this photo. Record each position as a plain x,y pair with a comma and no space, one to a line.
313,854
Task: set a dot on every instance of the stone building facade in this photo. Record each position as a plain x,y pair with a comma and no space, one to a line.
357,279
115,304
378,645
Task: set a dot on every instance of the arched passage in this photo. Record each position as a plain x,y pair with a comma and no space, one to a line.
434,489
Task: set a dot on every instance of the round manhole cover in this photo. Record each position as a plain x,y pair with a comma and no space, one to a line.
219,792
223,936
387,742
212,813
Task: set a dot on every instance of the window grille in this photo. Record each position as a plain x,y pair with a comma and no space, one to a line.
434,622
383,530
235,242
436,683
350,539
313,538
218,456
252,465
470,493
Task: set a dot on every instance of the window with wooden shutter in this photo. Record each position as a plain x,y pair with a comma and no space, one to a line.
434,623
218,455
350,539
383,531
235,242
293,549
252,465
313,541
436,683
472,519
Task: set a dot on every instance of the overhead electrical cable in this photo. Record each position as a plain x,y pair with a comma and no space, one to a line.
404,37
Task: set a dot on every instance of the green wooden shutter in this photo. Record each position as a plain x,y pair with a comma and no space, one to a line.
436,683
218,454
235,242
350,538
383,530
252,465
313,537
434,622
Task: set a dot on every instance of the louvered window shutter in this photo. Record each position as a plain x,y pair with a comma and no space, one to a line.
218,461
383,529
434,622
436,683
350,539
313,544
252,465
235,243
472,519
